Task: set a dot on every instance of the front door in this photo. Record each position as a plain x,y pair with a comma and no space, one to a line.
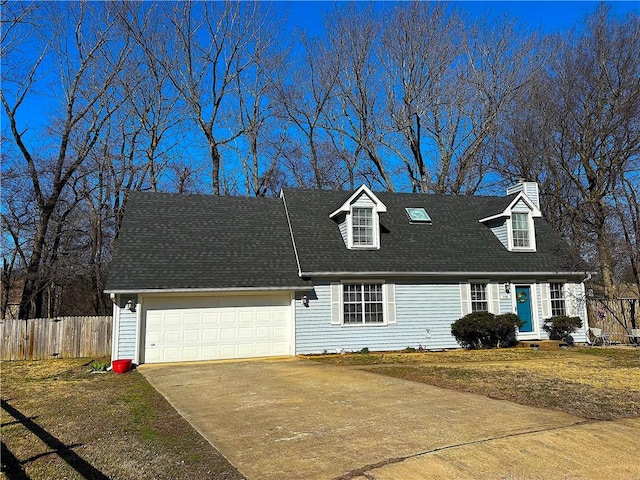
523,308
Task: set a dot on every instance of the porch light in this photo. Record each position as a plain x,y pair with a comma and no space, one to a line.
305,300
507,287
130,306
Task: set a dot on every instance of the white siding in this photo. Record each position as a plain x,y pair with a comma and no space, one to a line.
127,331
521,207
580,310
418,308
364,201
530,189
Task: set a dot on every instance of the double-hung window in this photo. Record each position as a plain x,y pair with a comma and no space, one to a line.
362,227
479,301
362,303
520,230
556,291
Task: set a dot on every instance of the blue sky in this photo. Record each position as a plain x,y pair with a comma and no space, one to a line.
548,16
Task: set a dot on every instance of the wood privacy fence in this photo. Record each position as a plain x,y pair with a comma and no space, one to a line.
614,316
63,337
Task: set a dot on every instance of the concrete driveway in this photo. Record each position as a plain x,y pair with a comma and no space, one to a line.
297,419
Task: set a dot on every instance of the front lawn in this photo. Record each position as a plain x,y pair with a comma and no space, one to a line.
592,383
61,421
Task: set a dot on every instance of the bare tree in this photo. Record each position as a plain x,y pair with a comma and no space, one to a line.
447,91
359,111
217,43
420,50
578,133
78,41
627,207
304,97
264,134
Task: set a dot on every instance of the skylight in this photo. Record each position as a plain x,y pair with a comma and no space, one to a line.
418,215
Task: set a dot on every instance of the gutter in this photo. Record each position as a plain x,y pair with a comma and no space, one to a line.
209,290
438,274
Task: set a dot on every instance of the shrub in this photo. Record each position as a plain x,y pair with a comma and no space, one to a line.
486,330
364,351
97,366
561,327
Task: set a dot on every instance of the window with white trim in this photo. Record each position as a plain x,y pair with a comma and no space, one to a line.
556,291
362,303
520,230
362,227
479,302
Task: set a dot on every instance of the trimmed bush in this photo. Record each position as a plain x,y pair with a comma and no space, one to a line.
561,327
486,330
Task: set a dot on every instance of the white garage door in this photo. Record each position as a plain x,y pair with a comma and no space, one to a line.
210,328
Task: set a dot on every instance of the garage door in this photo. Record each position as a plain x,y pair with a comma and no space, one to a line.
210,328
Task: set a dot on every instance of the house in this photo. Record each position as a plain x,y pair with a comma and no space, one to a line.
198,277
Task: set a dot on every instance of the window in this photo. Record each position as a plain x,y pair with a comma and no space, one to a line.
520,229
362,303
479,297
418,215
557,299
362,224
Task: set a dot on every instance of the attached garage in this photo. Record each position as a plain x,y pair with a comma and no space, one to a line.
190,328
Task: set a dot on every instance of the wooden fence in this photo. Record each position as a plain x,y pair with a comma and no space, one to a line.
63,337
615,316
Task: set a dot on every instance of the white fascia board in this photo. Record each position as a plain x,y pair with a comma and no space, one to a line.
346,206
535,211
211,290
436,274
493,217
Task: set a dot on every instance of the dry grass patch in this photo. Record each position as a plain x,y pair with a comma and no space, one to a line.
61,421
453,356
592,383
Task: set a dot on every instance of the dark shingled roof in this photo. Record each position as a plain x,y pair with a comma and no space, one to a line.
171,241
455,242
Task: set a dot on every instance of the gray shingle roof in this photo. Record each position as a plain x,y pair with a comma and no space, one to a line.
455,242
171,241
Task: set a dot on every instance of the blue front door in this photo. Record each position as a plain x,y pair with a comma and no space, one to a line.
523,308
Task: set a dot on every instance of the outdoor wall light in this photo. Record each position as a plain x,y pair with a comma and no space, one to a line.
305,300
507,288
130,306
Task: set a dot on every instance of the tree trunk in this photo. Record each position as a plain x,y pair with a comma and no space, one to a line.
32,281
215,167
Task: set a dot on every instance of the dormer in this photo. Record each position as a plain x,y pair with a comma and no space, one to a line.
359,220
514,225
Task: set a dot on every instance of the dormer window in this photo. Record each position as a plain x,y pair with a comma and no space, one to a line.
358,220
520,230
362,225
513,223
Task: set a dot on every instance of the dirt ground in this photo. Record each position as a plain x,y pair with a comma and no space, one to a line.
61,421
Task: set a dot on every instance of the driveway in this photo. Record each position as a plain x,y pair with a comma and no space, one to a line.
297,419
